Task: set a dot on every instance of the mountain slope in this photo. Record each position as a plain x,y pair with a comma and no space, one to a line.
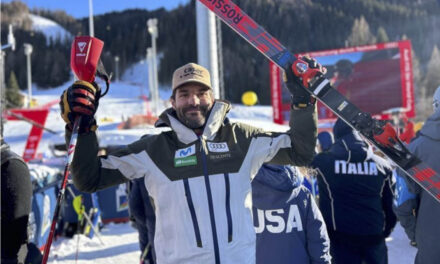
301,25
49,28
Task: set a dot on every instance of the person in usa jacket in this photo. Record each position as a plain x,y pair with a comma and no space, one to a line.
289,226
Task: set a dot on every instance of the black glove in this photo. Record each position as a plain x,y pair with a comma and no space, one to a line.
82,98
296,85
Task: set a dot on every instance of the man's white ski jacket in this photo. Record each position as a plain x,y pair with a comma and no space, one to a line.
200,186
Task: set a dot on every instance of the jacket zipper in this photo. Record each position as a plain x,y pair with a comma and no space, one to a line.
228,206
210,203
193,213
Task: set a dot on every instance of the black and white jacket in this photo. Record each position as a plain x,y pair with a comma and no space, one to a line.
200,185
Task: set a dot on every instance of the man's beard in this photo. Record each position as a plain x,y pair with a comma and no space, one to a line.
193,123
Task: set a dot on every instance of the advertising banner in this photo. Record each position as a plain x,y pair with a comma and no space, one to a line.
377,78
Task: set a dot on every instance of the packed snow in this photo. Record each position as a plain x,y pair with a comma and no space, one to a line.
121,240
49,28
121,246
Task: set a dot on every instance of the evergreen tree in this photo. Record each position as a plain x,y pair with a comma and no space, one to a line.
382,35
12,95
360,33
417,75
419,89
432,78
318,25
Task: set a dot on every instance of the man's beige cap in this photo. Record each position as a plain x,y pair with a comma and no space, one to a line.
191,72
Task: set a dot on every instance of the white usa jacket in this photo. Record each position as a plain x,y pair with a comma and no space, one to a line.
200,186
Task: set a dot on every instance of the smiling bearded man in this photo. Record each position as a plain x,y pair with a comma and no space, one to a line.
192,96
198,173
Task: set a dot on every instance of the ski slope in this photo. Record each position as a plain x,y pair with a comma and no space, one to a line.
121,240
49,28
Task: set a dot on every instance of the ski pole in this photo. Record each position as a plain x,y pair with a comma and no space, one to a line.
60,198
88,219
145,252
30,122
85,63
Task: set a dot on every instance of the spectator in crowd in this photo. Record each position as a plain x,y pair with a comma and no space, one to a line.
325,141
418,212
16,198
289,225
355,198
144,219
403,126
287,221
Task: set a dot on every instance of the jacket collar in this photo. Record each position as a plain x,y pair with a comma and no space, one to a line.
186,135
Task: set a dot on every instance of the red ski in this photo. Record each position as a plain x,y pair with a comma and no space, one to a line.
378,132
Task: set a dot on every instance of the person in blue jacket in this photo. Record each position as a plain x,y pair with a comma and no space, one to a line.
144,219
355,198
324,142
419,212
289,226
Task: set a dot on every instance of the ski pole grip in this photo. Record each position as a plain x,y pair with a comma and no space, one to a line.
84,57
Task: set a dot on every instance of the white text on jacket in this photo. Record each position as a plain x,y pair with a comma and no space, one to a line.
361,168
273,220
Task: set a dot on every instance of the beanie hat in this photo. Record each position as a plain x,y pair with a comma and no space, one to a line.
325,139
341,129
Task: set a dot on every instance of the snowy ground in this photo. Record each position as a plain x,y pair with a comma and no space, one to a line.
121,242
121,246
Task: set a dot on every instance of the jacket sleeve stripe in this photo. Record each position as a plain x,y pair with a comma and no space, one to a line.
131,166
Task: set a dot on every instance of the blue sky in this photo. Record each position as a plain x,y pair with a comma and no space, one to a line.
80,8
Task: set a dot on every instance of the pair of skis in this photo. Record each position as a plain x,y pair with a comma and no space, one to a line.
378,132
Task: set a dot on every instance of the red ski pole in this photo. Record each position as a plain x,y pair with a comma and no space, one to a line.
60,198
84,60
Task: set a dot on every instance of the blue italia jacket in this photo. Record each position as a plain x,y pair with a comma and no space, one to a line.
288,223
355,192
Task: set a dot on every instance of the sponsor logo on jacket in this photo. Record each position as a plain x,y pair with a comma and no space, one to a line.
185,156
222,156
278,221
217,147
359,168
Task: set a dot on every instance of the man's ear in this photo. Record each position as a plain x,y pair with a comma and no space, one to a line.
173,102
212,97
